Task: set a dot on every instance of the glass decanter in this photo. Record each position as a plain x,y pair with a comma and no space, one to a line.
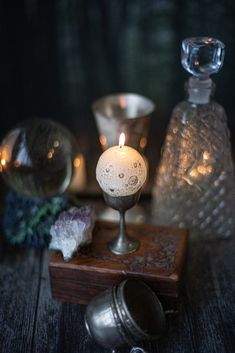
195,184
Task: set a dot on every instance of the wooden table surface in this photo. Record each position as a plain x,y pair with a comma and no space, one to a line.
31,321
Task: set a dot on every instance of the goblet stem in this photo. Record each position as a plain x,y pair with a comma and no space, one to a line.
122,237
123,244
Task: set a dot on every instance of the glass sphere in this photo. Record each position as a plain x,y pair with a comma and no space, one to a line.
37,156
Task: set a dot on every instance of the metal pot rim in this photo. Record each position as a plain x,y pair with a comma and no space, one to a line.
132,327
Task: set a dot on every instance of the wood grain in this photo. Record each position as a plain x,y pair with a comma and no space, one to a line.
31,321
158,261
19,285
60,326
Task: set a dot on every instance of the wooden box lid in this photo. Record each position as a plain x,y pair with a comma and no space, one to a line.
159,262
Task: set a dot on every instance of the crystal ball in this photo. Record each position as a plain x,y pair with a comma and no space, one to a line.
36,158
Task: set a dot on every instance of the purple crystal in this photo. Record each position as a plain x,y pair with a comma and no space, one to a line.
72,229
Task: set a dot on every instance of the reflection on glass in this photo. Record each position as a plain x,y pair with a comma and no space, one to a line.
78,181
37,158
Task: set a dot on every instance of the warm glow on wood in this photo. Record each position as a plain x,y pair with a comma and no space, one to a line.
122,139
122,102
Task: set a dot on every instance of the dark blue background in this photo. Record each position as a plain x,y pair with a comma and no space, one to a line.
57,57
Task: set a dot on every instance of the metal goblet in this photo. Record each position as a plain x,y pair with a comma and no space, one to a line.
122,244
123,112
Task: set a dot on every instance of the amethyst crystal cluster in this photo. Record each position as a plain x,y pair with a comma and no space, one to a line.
72,229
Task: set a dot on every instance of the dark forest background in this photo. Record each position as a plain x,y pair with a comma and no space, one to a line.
57,57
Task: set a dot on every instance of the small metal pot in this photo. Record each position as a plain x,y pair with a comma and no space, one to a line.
125,315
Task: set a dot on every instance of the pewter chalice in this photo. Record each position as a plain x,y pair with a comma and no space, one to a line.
121,172
122,244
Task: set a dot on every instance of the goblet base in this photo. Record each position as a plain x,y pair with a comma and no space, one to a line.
119,247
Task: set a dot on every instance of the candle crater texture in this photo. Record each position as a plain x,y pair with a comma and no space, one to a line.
121,171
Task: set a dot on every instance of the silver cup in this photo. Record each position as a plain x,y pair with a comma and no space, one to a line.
125,314
123,112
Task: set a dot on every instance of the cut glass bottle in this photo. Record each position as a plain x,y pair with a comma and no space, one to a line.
195,184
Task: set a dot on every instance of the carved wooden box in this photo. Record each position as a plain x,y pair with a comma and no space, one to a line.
159,262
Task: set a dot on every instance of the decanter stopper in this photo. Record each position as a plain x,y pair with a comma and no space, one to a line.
202,56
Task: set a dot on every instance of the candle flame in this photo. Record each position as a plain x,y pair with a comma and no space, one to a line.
122,139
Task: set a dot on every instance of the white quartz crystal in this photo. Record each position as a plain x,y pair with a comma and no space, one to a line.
72,229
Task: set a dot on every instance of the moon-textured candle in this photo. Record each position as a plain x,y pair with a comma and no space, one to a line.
121,170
